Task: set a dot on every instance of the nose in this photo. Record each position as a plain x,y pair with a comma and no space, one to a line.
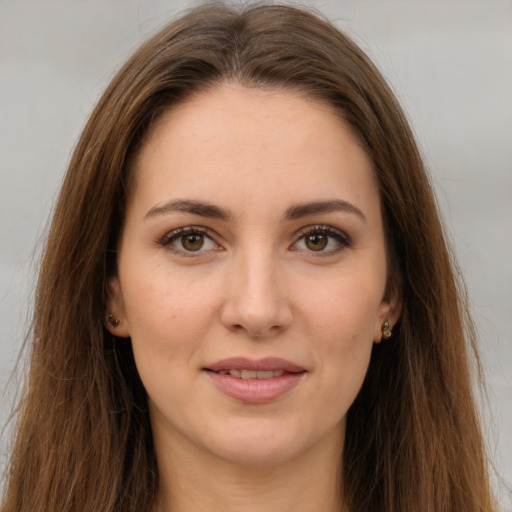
256,301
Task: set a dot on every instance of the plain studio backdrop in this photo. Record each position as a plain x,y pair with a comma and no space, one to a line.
448,61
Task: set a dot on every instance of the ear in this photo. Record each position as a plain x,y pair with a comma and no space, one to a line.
389,310
114,304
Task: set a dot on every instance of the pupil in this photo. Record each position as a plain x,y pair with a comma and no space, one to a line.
192,242
316,242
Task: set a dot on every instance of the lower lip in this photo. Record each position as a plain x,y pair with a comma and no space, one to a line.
256,391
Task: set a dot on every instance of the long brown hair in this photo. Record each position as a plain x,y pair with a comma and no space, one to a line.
84,441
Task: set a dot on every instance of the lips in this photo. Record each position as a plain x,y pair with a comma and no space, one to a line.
261,365
252,374
255,381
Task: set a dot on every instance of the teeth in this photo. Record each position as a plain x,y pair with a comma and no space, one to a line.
252,374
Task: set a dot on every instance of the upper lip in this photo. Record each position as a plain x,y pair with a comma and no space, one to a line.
265,364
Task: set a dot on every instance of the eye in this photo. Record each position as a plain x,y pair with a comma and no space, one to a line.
321,239
192,241
316,241
189,240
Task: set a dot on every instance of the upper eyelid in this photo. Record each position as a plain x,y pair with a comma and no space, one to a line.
189,229
342,238
322,228
298,235
170,235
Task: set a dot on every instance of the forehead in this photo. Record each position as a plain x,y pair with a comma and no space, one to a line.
236,140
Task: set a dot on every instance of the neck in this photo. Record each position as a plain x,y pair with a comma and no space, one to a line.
192,480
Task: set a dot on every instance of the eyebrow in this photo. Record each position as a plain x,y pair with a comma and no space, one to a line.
189,206
295,212
318,207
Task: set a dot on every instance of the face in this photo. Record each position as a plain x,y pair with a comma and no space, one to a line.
251,274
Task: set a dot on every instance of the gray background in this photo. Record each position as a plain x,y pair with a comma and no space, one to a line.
449,62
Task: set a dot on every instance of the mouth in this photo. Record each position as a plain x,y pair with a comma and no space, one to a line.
260,366
251,381
252,374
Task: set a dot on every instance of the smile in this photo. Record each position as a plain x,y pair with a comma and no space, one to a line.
255,382
252,374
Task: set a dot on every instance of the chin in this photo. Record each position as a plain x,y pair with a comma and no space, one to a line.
255,455
259,445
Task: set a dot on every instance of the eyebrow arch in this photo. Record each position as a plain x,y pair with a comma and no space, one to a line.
318,207
293,213
189,206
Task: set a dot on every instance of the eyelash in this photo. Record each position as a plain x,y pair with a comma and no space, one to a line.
342,240
174,235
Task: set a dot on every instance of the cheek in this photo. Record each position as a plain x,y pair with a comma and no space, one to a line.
342,365
159,298
168,316
345,344
344,311
167,337
343,317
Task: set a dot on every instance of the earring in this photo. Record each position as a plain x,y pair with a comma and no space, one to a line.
386,331
113,321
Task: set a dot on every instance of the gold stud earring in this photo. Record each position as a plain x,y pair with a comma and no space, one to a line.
111,320
386,331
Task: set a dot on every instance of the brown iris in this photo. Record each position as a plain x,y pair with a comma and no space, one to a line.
316,242
192,241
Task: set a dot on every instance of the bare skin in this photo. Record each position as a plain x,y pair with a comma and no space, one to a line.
253,232
301,486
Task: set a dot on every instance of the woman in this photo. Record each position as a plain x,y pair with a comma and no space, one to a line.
246,300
